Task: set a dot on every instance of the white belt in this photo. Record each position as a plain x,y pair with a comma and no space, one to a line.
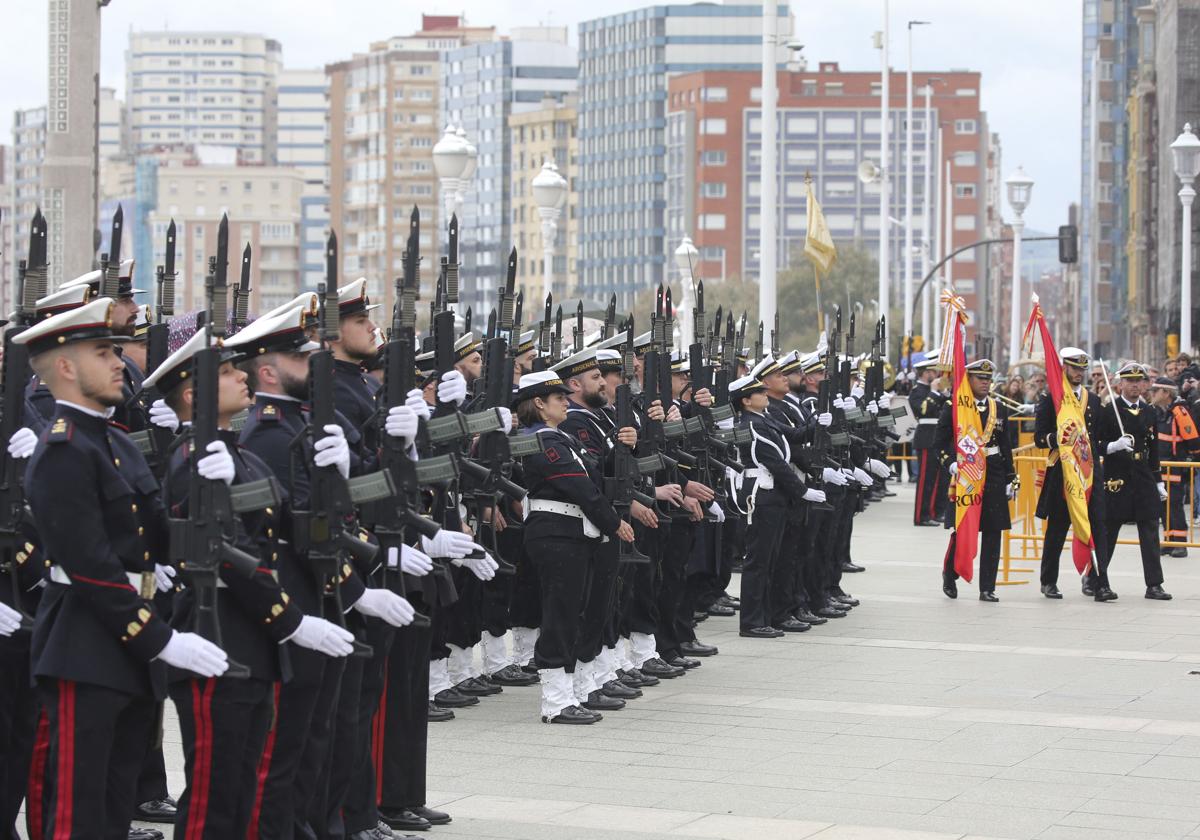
763,478
564,509
136,579
992,450
926,421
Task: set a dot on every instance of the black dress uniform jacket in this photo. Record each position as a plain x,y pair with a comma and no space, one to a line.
564,472
926,405
994,515
1131,478
1045,432
768,450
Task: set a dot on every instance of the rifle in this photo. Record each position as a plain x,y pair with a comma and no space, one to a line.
544,340
110,263
758,347
450,264
203,543
838,434
322,530
241,294
621,486
610,319
577,330
155,441
556,337
656,369
15,373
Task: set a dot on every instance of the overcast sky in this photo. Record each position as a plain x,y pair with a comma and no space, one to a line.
1028,52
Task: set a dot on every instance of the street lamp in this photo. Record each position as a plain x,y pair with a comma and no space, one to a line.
1019,186
550,192
1186,152
685,259
468,173
908,182
450,160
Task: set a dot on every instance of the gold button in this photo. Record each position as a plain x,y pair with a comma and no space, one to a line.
134,507
270,533
117,461
274,556
269,512
146,556
141,530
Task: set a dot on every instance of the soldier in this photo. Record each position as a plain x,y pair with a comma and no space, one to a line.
1134,489
927,408
998,474
99,649
1177,441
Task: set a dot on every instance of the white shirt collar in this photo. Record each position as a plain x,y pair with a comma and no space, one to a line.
280,397
106,414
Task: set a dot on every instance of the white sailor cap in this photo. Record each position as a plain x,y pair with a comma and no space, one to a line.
92,278
1074,357
813,362
177,367
83,323
610,361
576,363
465,346
744,386
765,367
285,332
352,299
68,297
790,362
308,300
539,384
616,340
526,342
642,343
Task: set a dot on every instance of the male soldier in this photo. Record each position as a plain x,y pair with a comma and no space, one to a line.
98,645
1177,441
1052,504
1134,490
926,407
998,477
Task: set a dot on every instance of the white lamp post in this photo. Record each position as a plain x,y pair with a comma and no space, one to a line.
550,193
1019,186
908,183
450,160
1186,153
464,180
685,258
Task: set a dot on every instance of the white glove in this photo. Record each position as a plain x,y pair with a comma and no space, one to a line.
825,419
410,561
873,407
861,476
879,468
415,399
333,449
323,637
448,543
505,418
953,469
452,388
217,466
885,401
189,652
812,494
1027,408
164,577
835,477
401,422
1121,444
163,416
385,604
838,402
10,620
1008,490
715,510
726,424
483,567
857,392
1162,491
22,443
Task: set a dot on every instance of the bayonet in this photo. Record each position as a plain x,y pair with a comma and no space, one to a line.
610,319
166,280
699,324
556,340
450,263
577,334
467,321
505,318
33,271
544,338
518,310
219,310
241,294
110,278
491,326
758,346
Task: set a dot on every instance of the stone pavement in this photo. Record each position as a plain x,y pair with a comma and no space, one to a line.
914,717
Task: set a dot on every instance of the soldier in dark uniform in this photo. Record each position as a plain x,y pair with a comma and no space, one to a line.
926,407
567,521
1177,441
99,649
1134,489
997,484
1052,505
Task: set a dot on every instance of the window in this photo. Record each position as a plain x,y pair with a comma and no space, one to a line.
839,125
801,156
839,188
796,221
808,88
712,252
966,92
839,156
712,158
712,189
964,222
801,125
711,221
965,257
713,125
833,88
420,70
965,127
966,159
964,190
714,94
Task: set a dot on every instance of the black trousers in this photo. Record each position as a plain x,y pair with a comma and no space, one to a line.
764,535
785,575
224,724
564,569
826,541
989,559
810,585
98,738
402,724
927,481
602,596
1148,543
847,510
358,808
1174,518
1056,536
525,603
464,618
641,583
18,723
152,780
677,548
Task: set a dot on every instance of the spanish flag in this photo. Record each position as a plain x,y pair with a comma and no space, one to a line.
1073,450
818,243
970,452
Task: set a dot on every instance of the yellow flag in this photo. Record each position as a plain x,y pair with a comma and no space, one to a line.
818,244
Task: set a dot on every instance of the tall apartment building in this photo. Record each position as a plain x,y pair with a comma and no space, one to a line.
547,133
383,124
210,88
24,188
625,61
300,142
113,128
828,124
483,86
8,272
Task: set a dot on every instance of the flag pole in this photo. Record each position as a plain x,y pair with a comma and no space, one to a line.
820,312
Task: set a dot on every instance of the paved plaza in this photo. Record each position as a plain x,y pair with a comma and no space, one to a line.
914,717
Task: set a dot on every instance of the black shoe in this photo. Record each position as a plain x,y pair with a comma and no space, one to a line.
1156,593
512,675
383,831
697,617
949,588
809,618
452,698
1105,594
851,567
1087,589
573,715
655,667
845,599
927,523
634,678
530,669
618,689
828,611
761,633
368,834
598,701
698,648
990,597
431,816
404,819
437,715
145,834
1051,591
729,601
791,625
721,611
478,687
1176,552
683,662
158,810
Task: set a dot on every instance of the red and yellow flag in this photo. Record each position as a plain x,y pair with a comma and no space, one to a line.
1073,449
970,447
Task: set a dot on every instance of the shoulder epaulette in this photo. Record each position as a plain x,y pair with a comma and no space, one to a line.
268,412
60,431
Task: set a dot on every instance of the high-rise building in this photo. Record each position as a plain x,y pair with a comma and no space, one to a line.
383,124
113,128
203,88
8,274
300,142
625,61
25,182
547,133
483,86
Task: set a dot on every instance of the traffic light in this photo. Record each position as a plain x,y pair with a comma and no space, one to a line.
1068,244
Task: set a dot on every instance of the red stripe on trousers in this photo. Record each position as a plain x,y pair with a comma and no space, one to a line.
34,813
378,735
933,497
921,470
65,787
264,768
201,781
